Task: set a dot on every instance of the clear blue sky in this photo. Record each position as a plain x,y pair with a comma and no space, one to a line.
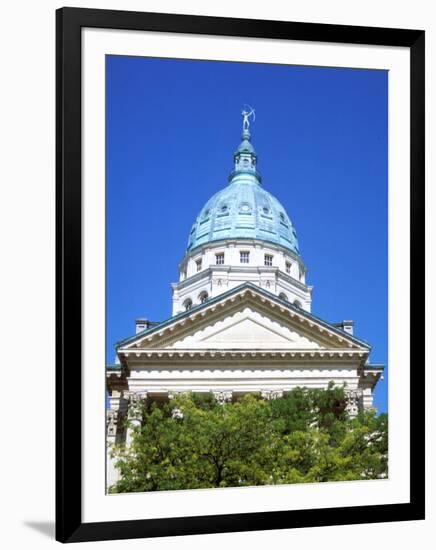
321,137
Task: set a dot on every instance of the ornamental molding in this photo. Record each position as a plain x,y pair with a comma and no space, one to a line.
187,354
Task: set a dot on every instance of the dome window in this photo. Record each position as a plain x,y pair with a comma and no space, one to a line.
265,210
245,208
283,296
245,257
268,260
219,258
282,216
297,303
187,304
203,297
288,267
224,211
198,263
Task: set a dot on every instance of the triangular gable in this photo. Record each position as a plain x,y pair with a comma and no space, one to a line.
245,328
246,317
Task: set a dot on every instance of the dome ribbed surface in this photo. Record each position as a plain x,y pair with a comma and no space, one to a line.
243,210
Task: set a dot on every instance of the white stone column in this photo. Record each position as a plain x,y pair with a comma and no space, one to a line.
111,425
367,399
112,418
134,413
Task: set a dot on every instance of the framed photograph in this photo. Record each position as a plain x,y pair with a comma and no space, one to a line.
240,263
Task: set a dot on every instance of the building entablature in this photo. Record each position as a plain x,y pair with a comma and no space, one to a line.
146,358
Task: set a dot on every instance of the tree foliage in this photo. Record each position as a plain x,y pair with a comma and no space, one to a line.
304,437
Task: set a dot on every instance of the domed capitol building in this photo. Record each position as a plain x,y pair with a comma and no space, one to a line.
241,315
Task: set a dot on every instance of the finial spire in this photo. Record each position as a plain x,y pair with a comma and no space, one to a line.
247,112
245,156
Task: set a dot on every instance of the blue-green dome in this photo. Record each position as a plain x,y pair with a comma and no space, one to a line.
243,209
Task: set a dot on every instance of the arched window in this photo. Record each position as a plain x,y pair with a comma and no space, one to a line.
203,297
283,296
187,304
297,303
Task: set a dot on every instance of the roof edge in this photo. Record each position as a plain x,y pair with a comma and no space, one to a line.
235,290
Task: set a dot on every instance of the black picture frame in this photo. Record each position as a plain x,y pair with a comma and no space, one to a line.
69,525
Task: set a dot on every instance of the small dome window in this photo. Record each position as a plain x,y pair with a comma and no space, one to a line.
206,213
203,297
224,208
297,303
268,260
245,208
282,216
265,210
187,304
283,296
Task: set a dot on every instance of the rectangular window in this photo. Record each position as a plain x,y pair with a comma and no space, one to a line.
268,260
245,257
198,262
288,267
219,258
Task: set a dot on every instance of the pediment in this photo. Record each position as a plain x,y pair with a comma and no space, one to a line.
244,319
245,329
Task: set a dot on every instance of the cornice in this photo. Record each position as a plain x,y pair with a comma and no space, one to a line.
170,353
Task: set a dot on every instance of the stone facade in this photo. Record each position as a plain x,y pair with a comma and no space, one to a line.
242,320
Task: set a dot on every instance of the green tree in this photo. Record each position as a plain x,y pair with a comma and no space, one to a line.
305,436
